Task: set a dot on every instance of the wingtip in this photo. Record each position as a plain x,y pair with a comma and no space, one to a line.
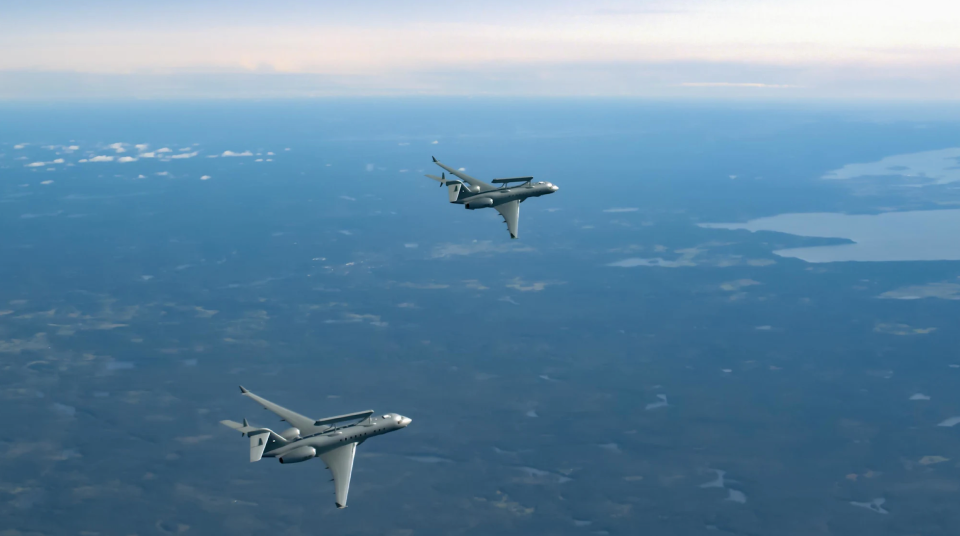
243,390
340,506
434,158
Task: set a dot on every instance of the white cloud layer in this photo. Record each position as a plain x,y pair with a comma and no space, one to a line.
792,47
231,153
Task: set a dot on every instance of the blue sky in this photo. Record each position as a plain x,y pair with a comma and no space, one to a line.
649,48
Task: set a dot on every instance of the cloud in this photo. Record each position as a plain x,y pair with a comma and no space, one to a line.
101,158
733,286
737,84
523,286
661,403
124,159
118,147
425,286
347,197
205,178
945,291
574,50
434,142
150,154
41,164
901,329
184,155
164,150
621,210
20,146
477,247
634,262
350,318
141,146
951,422
231,153
369,167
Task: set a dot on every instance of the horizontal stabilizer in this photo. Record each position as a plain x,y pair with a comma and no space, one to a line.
242,428
342,418
232,424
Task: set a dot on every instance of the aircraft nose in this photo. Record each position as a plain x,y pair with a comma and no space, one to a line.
405,421
554,188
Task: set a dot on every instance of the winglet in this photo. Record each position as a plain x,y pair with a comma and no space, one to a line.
434,158
243,391
245,423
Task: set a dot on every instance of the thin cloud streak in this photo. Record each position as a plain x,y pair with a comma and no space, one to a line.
737,84
802,47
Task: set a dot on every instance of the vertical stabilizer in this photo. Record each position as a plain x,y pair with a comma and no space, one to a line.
454,189
258,442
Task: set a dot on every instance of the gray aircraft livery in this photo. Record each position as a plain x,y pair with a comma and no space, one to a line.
474,193
328,439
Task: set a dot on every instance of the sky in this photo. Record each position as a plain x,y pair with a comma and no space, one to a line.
822,49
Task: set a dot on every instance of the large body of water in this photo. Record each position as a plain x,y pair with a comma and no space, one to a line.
924,235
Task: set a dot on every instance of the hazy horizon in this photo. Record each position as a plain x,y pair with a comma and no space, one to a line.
741,49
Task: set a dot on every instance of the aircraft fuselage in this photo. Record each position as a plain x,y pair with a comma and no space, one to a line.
337,437
499,196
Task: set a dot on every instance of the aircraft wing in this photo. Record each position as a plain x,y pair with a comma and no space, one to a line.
511,215
295,419
466,178
340,463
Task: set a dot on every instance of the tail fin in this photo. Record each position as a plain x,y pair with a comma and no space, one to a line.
261,439
455,188
258,443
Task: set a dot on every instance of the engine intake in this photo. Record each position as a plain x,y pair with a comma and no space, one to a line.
479,203
300,454
290,434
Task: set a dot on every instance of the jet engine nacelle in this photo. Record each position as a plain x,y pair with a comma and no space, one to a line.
290,434
301,454
479,203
